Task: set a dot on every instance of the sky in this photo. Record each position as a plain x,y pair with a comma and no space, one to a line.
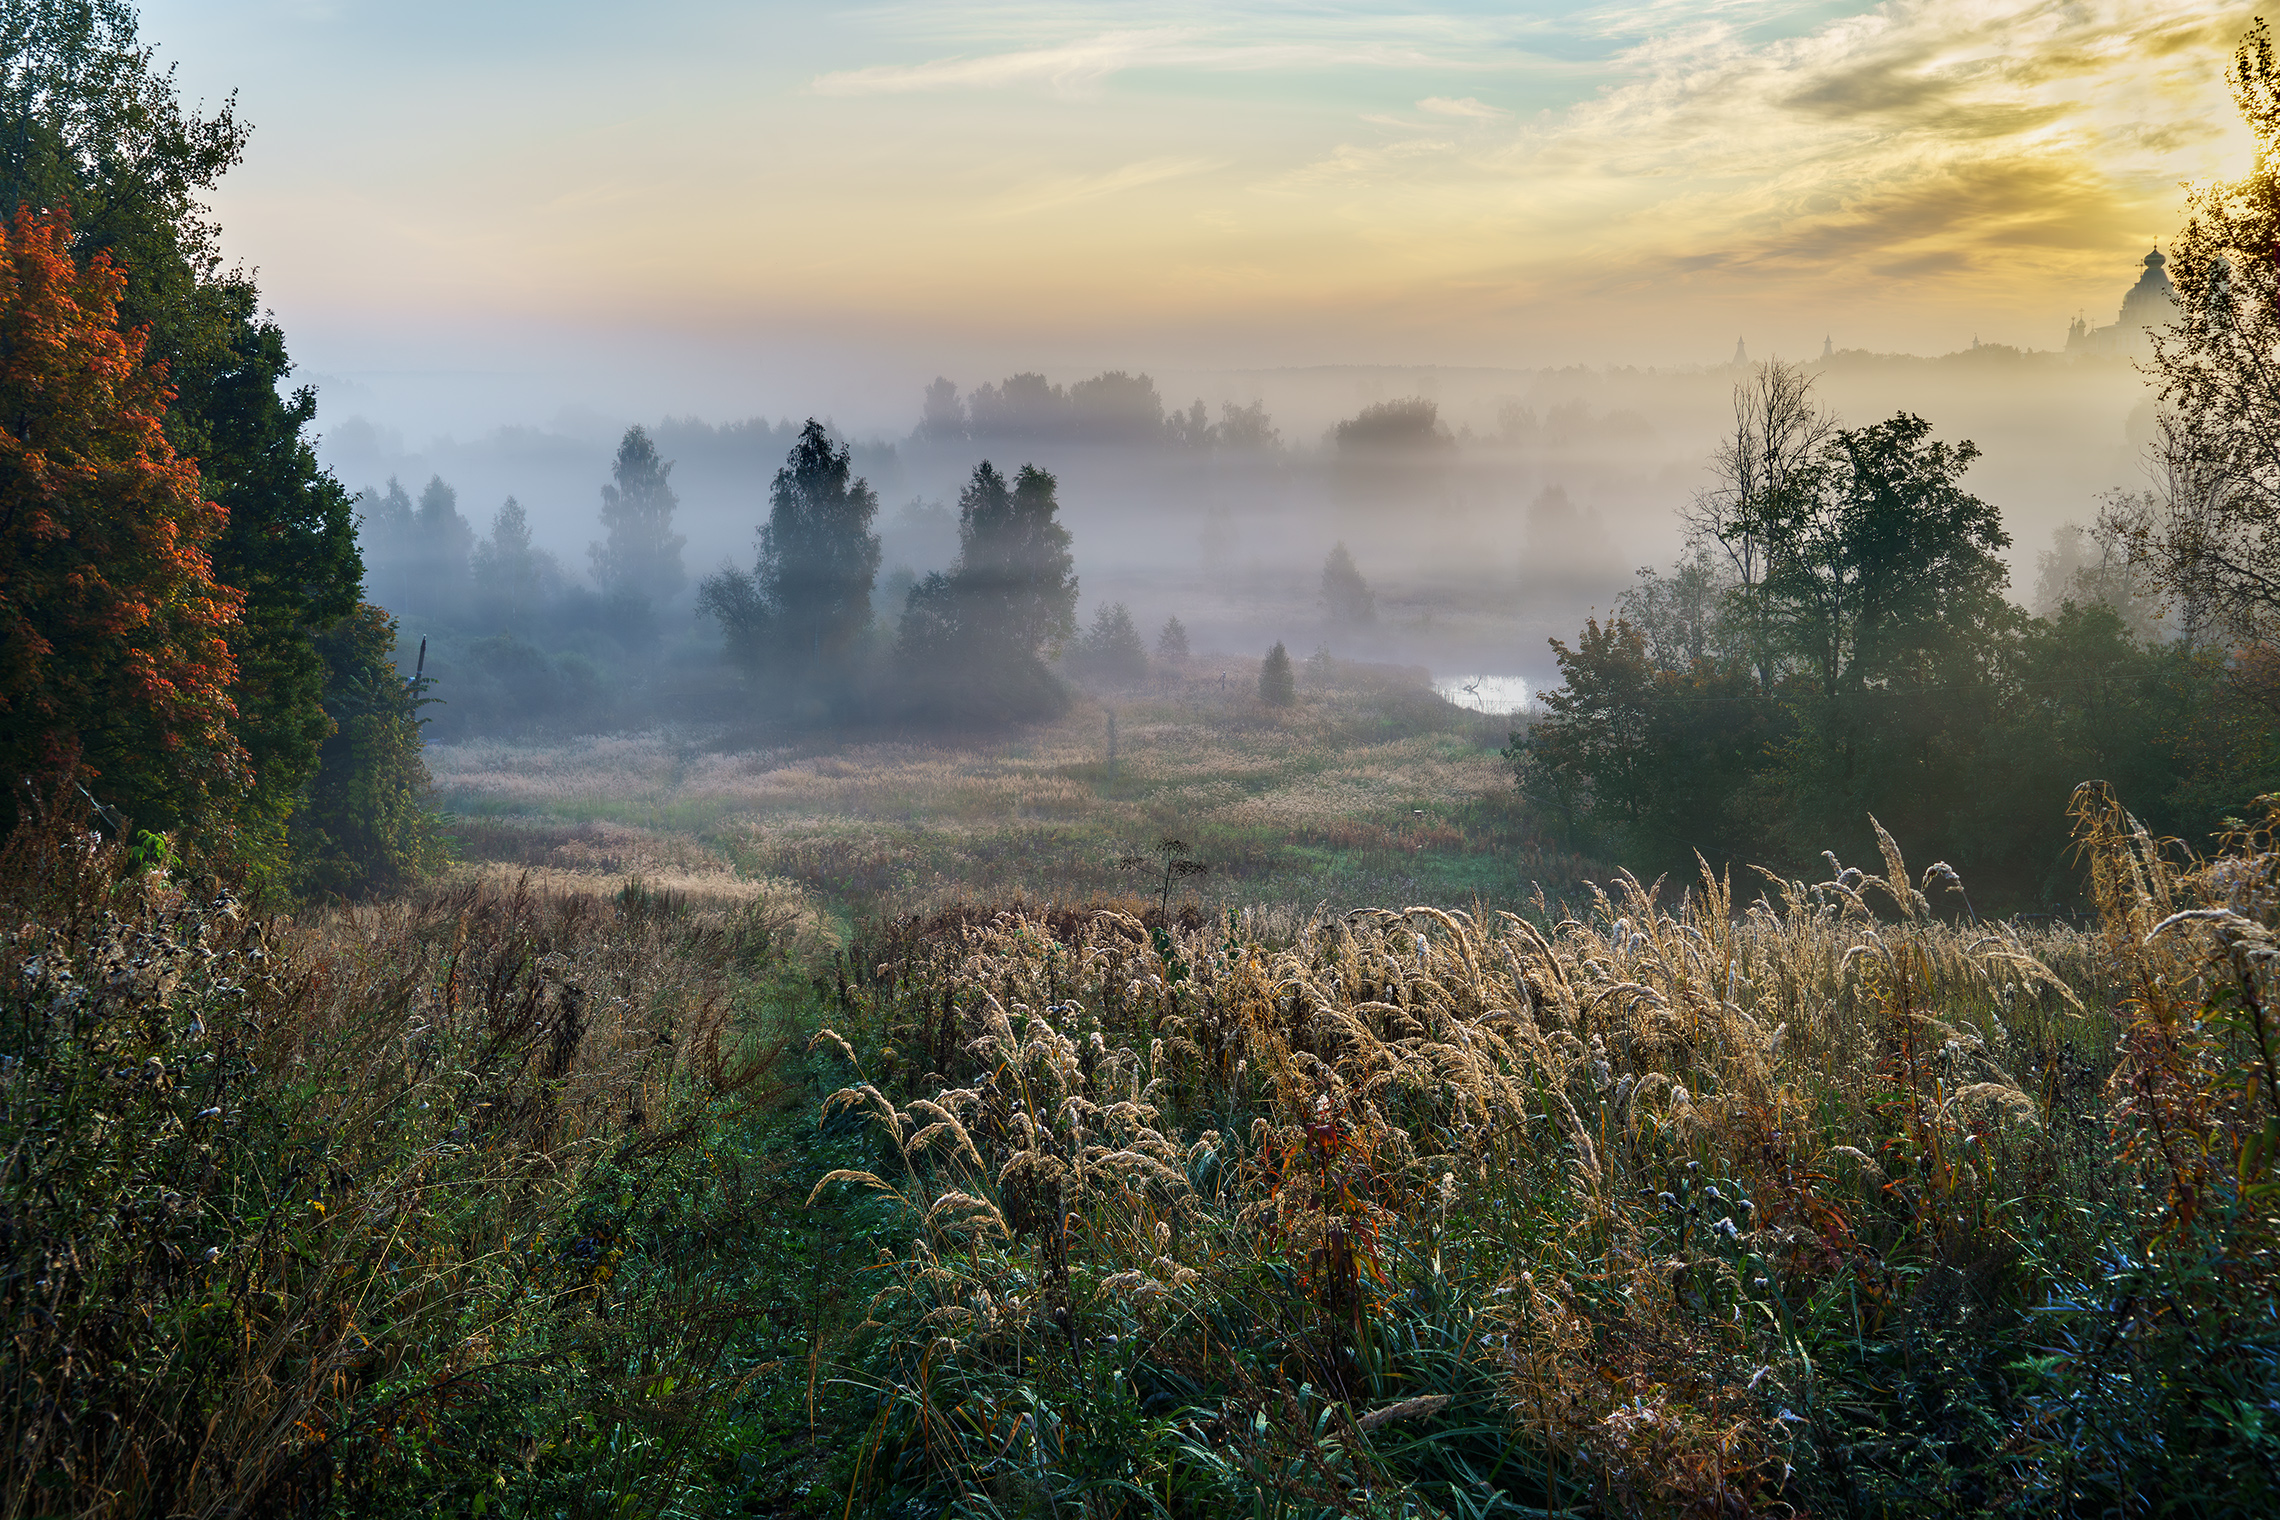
728,207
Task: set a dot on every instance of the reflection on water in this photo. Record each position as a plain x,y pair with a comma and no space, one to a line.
1488,694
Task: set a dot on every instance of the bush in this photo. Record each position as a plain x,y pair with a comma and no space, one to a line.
366,825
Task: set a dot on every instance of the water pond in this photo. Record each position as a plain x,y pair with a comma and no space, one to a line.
1485,693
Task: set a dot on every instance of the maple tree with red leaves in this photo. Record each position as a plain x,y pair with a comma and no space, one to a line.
114,635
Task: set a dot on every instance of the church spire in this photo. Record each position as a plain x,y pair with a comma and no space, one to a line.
1741,354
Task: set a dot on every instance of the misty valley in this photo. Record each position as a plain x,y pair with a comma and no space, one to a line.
1215,936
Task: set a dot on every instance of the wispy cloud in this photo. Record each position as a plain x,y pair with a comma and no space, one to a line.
1074,189
1076,68
1464,106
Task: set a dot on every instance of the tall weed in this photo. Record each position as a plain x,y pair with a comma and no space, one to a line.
299,1217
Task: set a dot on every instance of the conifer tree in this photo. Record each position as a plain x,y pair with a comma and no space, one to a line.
1278,683
512,575
642,555
1345,595
802,611
973,641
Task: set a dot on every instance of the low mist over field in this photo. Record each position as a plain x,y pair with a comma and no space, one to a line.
1488,509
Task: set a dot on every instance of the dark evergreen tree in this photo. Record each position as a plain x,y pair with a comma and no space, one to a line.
436,566
1015,577
1111,649
972,642
366,826
802,612
290,547
1278,683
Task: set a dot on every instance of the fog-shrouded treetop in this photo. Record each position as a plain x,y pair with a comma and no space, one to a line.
801,612
1346,596
1013,558
642,555
1411,425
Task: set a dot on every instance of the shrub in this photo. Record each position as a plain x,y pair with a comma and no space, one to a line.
1110,650
366,825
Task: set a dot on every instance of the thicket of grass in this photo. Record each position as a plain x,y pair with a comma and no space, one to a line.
1825,1205
512,1200
335,1216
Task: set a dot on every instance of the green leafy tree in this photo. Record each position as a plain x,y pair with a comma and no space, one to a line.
1278,683
1172,642
642,556
1682,615
2209,532
1643,762
88,119
1883,563
2081,696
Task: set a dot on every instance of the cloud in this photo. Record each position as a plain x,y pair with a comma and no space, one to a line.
1070,68
1077,68
1921,137
1465,106
1075,189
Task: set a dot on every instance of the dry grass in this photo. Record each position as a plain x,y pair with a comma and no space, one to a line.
1641,1142
1378,785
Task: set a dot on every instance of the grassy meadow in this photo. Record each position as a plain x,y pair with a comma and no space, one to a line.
838,1129
1372,789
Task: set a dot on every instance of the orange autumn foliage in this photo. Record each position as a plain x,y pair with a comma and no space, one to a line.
113,632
